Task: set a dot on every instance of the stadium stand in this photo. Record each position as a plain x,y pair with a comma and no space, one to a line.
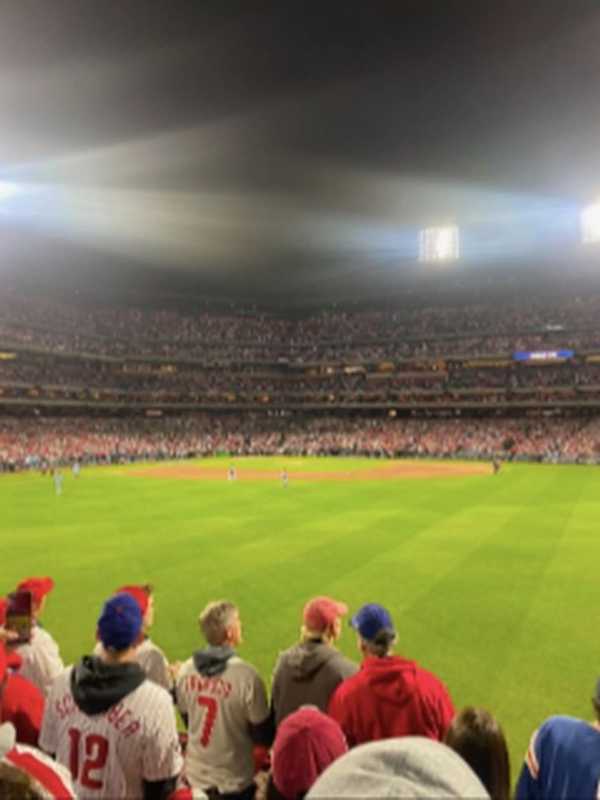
103,384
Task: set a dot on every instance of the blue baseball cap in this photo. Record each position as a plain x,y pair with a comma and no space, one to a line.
120,622
370,620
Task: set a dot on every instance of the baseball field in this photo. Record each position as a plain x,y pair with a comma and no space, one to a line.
492,580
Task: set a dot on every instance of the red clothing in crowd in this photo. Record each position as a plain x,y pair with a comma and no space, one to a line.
390,697
23,705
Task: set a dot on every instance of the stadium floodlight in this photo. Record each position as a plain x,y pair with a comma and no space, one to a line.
7,190
590,224
439,244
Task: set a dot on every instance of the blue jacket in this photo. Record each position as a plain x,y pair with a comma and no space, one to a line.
562,762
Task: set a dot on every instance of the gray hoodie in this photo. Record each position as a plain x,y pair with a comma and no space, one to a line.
410,767
307,674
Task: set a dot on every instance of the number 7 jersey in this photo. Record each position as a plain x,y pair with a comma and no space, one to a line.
220,709
112,753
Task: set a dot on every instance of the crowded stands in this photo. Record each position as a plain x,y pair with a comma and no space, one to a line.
41,442
142,383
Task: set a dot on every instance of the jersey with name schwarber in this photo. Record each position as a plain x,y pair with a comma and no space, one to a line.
221,695
563,761
112,728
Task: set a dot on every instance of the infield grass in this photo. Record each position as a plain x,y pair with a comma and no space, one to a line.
492,581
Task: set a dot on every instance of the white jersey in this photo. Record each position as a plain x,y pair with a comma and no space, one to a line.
152,660
50,780
219,709
42,663
112,753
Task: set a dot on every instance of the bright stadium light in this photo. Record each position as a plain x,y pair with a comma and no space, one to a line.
590,224
439,244
7,190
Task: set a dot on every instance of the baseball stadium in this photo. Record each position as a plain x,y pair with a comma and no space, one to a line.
299,429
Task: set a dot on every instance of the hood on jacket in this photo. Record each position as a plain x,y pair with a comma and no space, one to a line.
96,686
212,660
307,658
391,678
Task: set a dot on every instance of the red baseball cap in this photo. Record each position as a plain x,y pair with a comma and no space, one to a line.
39,587
3,605
140,594
307,742
321,612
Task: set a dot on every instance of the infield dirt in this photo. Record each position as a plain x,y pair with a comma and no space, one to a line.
392,471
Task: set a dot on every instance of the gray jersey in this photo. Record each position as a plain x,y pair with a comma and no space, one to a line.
41,659
112,753
219,710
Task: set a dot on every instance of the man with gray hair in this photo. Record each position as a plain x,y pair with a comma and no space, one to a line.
223,702
389,696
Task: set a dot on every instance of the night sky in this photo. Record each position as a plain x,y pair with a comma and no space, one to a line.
273,149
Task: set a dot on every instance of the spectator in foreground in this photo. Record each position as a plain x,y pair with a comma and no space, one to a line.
41,661
223,702
410,767
389,696
148,655
104,719
307,742
22,703
309,672
563,759
477,737
28,774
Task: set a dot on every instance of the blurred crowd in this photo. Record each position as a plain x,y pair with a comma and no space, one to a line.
46,441
242,336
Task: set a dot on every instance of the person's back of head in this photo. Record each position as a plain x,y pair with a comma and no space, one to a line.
375,629
478,738
120,627
16,784
321,619
307,742
220,624
406,767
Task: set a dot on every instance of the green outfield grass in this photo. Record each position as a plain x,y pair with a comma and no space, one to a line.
492,581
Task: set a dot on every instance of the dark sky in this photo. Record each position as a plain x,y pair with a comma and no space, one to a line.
272,147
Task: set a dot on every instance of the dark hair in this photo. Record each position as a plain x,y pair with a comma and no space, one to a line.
16,784
381,643
477,737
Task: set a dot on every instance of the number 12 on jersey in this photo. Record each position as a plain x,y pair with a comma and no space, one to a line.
96,752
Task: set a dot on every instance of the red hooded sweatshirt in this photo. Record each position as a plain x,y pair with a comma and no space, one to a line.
390,697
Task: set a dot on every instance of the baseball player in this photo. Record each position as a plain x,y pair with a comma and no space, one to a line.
284,478
76,469
231,473
58,481
40,657
107,722
224,704
27,772
148,655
